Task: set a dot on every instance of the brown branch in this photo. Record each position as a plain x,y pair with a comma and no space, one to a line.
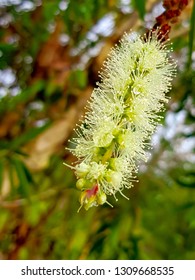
173,9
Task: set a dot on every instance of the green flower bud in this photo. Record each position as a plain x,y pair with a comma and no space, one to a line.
114,177
81,170
101,198
80,183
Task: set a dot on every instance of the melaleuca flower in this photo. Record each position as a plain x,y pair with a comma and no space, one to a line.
122,115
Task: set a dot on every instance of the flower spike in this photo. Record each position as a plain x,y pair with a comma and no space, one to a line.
122,116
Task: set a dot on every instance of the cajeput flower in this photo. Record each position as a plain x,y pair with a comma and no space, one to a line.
122,115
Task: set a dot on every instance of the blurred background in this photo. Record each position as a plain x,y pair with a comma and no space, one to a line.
50,55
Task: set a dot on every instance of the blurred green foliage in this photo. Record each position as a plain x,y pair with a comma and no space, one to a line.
46,64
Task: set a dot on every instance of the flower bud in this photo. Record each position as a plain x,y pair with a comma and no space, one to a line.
80,183
114,177
101,198
82,169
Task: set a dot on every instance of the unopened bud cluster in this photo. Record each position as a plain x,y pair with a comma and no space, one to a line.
121,117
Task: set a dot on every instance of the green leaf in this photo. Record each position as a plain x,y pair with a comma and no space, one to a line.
78,78
19,152
8,102
28,174
4,145
11,171
50,8
24,186
1,173
27,136
186,179
139,5
30,92
3,218
7,51
4,149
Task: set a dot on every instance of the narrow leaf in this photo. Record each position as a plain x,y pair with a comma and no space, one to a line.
24,186
27,136
139,5
1,173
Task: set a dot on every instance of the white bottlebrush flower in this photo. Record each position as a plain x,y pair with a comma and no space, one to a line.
122,115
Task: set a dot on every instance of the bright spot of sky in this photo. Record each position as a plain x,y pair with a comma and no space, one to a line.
125,6
7,77
63,5
104,26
